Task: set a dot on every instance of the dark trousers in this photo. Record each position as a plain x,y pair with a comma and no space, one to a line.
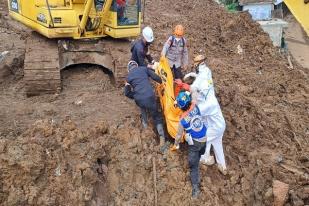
150,104
195,152
177,74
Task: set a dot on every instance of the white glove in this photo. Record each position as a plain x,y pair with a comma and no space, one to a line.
189,139
191,74
155,66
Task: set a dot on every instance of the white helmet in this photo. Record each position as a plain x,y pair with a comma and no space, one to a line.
148,34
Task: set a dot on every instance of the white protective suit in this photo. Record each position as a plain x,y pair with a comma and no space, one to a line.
204,94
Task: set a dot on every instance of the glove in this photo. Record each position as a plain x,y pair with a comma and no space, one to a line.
186,86
155,66
189,139
174,148
191,74
178,82
182,85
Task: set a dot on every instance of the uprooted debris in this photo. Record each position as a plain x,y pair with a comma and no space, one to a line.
82,161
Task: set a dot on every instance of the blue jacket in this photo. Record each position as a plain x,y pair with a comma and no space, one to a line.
140,85
139,52
193,123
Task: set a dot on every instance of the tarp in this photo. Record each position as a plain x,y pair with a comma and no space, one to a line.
301,12
165,92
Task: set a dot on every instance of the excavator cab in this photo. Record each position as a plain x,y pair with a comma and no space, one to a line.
85,21
79,18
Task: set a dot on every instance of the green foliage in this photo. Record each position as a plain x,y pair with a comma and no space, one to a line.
232,7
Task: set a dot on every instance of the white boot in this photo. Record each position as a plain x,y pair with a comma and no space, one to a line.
208,161
222,169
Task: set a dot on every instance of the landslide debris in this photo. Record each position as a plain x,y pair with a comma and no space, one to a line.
84,160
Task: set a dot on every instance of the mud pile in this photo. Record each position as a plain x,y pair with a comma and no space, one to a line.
100,156
58,164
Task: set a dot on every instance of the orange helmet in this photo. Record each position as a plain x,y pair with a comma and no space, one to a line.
179,31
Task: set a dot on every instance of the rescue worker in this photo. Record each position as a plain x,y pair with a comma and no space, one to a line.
192,123
176,51
140,50
138,87
203,93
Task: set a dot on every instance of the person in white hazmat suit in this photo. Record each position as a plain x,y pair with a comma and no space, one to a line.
203,94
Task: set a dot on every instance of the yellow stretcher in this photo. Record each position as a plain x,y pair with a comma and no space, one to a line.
301,12
166,94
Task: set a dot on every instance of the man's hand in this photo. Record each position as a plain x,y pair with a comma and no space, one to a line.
155,66
182,85
150,66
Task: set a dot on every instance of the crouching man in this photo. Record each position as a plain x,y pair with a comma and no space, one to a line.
138,87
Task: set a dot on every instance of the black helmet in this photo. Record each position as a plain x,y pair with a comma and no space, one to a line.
131,65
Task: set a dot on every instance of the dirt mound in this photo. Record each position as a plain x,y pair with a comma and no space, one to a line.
99,156
55,160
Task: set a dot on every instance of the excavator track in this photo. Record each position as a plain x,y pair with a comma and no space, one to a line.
41,66
45,58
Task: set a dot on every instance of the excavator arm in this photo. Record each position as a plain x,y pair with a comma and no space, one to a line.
300,9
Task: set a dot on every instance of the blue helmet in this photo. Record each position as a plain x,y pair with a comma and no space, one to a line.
183,100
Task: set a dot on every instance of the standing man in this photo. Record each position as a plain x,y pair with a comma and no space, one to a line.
140,50
176,51
204,94
192,123
138,87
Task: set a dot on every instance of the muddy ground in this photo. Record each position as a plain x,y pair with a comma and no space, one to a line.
85,146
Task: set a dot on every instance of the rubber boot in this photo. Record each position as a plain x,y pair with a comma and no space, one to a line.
209,161
145,125
195,191
163,143
222,169
144,121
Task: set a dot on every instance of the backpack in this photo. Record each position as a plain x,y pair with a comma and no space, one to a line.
173,39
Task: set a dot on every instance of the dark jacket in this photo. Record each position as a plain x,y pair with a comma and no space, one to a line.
140,86
139,52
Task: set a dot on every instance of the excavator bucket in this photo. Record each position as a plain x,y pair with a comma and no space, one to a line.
167,98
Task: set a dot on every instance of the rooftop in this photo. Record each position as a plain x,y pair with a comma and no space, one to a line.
244,2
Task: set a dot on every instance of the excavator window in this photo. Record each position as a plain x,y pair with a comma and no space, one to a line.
127,11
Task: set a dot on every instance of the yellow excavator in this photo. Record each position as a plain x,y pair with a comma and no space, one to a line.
85,21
